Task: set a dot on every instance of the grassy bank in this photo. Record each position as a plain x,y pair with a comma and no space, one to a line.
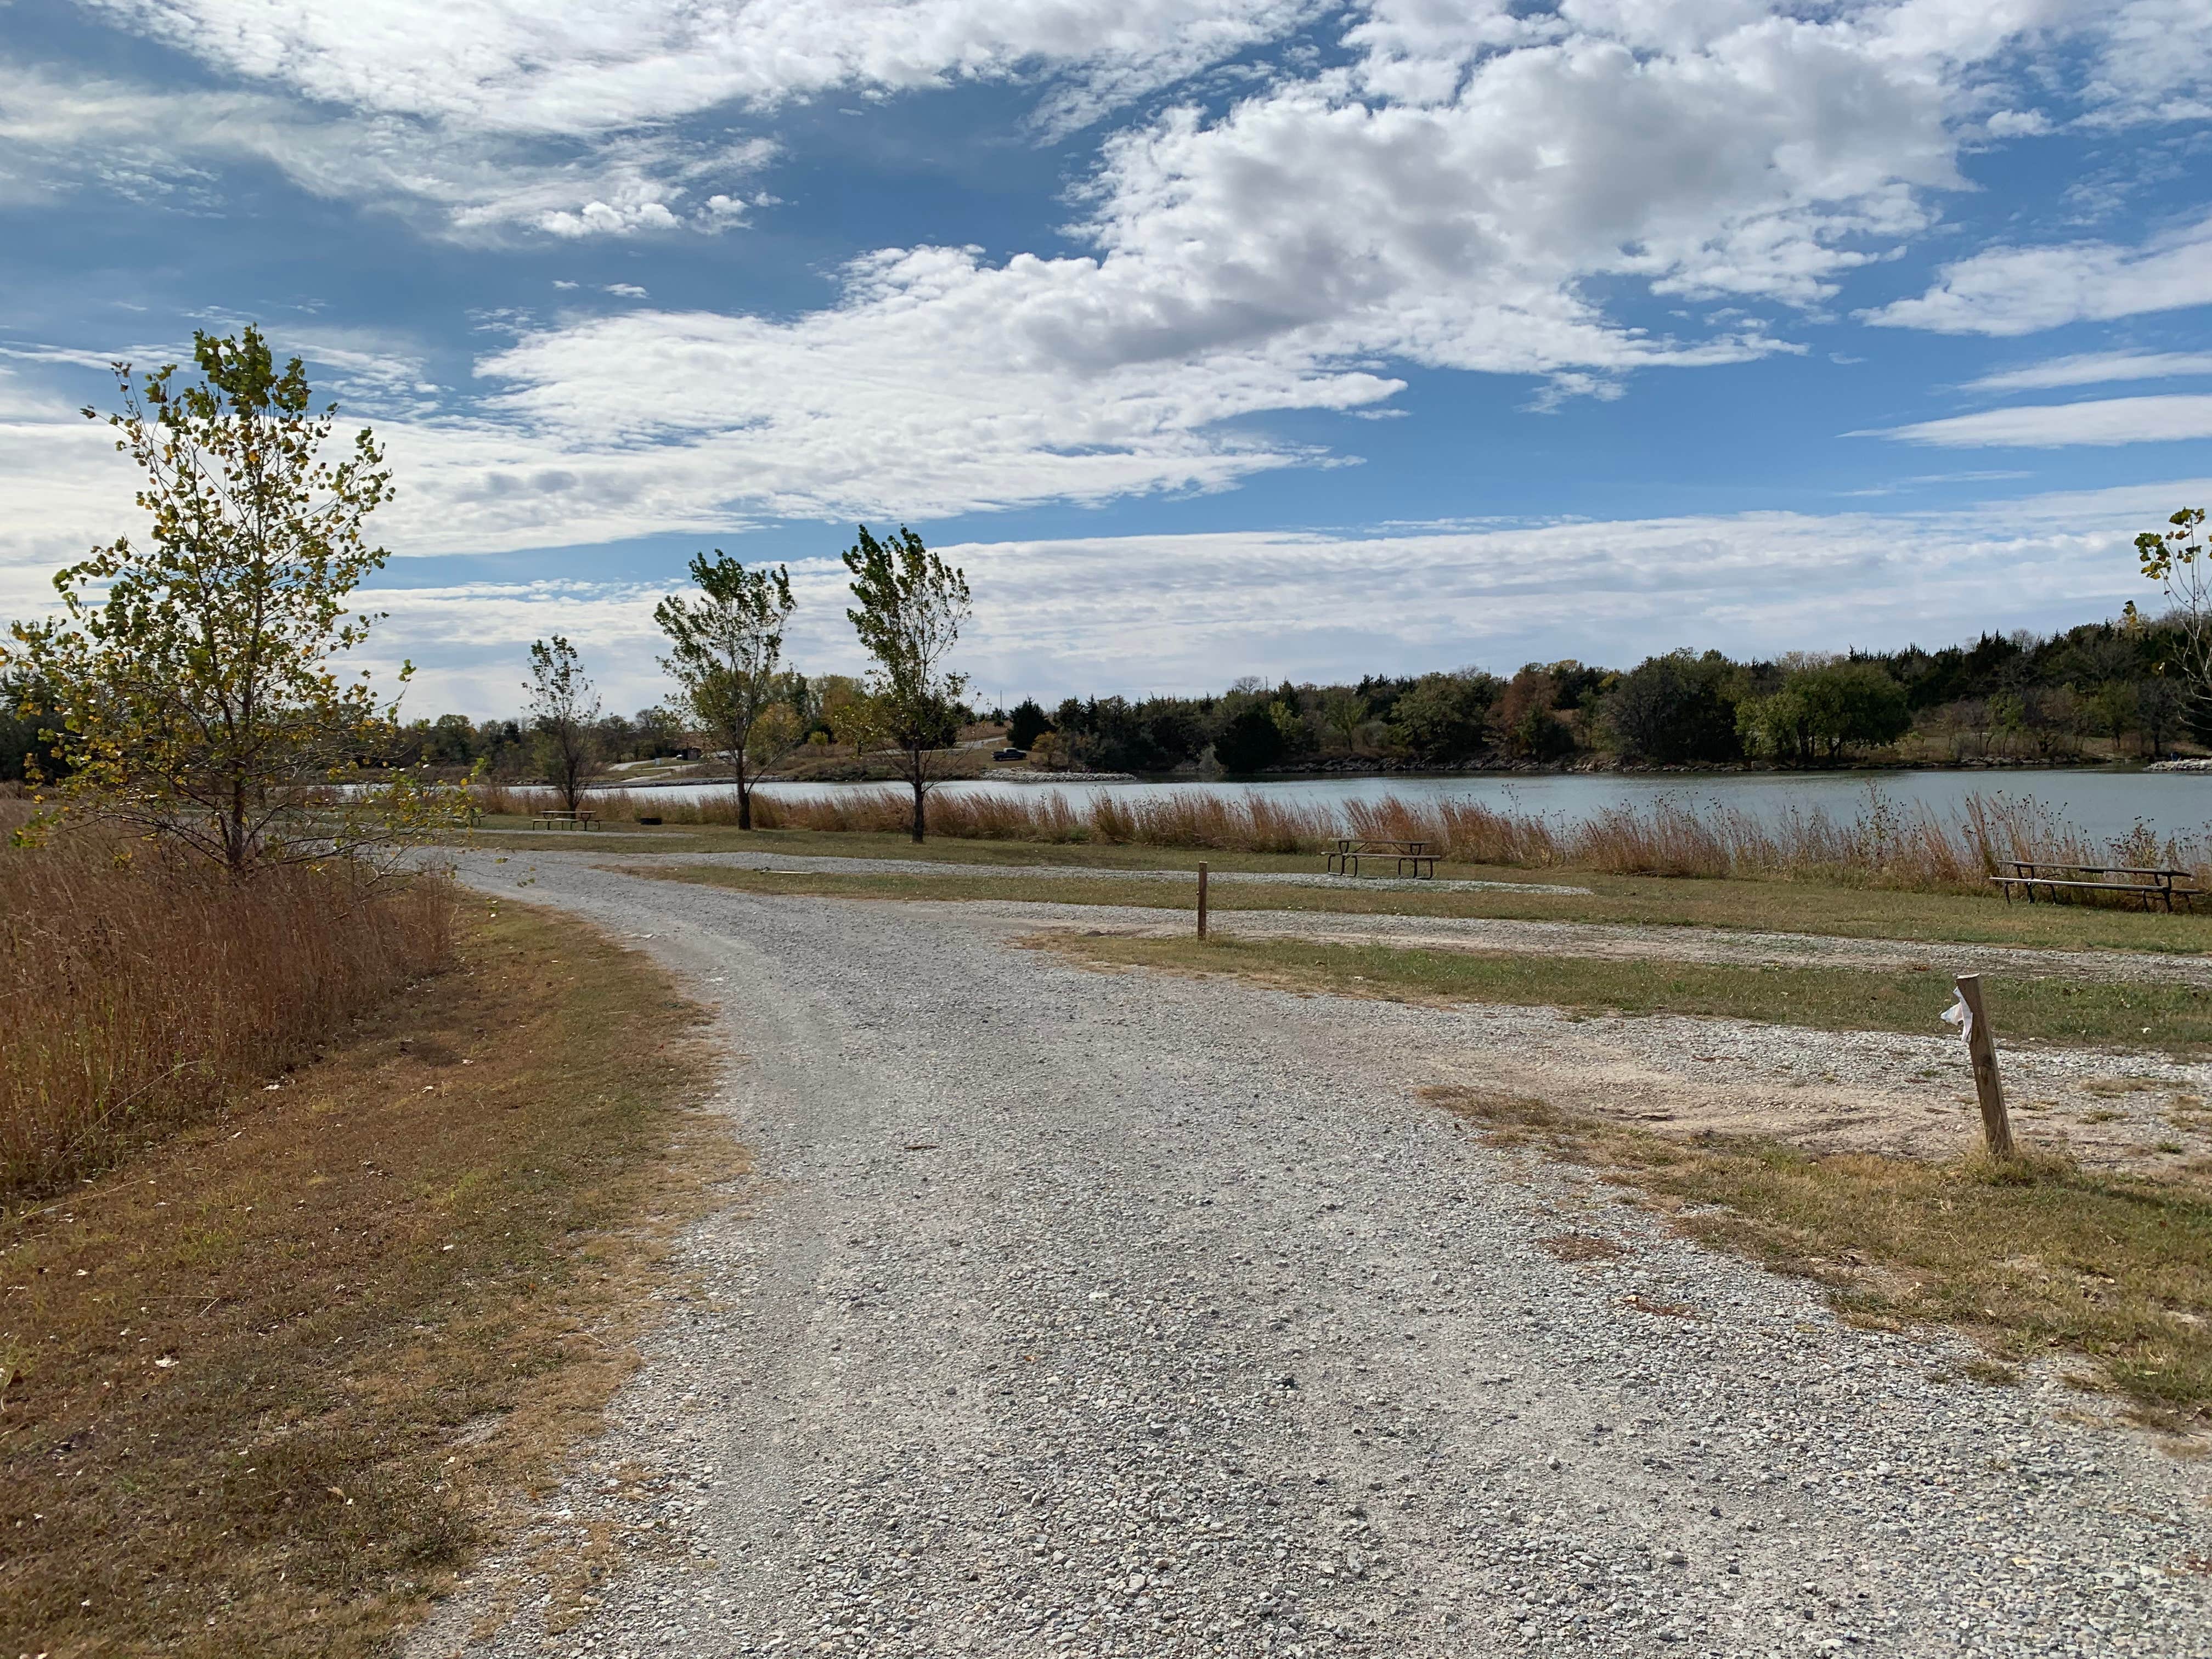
266,1384
1785,907
2037,1259
2083,1013
1884,842
142,993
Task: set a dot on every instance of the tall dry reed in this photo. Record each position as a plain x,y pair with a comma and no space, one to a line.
137,997
1883,843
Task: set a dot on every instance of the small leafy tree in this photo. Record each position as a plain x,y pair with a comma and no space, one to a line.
1027,724
189,686
1677,708
1446,717
1250,738
2175,559
910,606
2159,709
564,710
726,650
1822,708
1344,714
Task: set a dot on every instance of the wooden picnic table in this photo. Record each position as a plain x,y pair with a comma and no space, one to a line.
1346,852
560,820
2152,884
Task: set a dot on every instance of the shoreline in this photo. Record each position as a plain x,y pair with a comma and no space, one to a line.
1346,774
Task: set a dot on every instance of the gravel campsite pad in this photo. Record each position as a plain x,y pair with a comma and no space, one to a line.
1125,1314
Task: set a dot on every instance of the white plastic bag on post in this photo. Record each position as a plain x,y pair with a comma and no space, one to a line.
1962,1016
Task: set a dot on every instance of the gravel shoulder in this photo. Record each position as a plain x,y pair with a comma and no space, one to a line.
1085,1314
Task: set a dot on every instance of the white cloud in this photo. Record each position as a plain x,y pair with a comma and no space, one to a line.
2154,61
625,291
1135,614
2055,426
2096,368
1474,191
157,145
573,66
2020,290
1274,258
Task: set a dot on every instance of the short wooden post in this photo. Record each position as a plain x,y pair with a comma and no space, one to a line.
1201,898
1982,1049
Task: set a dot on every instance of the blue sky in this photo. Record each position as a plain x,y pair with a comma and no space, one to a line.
1217,337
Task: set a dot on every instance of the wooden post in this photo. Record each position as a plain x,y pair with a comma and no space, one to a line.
1201,898
1982,1049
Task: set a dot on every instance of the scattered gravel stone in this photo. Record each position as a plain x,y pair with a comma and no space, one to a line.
1117,1315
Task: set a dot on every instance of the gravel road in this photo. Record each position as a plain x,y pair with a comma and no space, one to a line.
1581,938
1088,1315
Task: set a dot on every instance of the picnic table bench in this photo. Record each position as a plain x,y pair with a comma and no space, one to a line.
2153,885
559,820
1347,851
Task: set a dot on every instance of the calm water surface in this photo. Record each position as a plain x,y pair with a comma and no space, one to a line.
2104,802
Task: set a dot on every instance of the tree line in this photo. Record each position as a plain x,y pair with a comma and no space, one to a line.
2119,684
190,686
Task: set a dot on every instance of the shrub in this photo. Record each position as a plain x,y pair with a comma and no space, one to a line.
1252,739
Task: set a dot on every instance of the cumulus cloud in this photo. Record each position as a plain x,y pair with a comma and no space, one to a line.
2022,290
1277,257
2056,426
1478,187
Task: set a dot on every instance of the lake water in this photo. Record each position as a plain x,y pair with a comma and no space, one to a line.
2103,802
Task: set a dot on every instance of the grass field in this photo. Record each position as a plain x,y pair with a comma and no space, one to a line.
2173,1019
2111,1274
268,1384
1801,906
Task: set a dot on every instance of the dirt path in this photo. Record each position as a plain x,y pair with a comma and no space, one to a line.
1090,1315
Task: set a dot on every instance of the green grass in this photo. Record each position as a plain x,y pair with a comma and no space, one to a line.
2077,1013
1795,907
2038,1258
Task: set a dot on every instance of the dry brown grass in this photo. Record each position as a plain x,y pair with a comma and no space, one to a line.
1884,843
142,992
269,1385
2036,1258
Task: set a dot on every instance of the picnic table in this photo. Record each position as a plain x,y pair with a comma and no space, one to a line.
559,820
2152,885
1346,852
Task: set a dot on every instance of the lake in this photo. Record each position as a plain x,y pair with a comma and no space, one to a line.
2103,801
